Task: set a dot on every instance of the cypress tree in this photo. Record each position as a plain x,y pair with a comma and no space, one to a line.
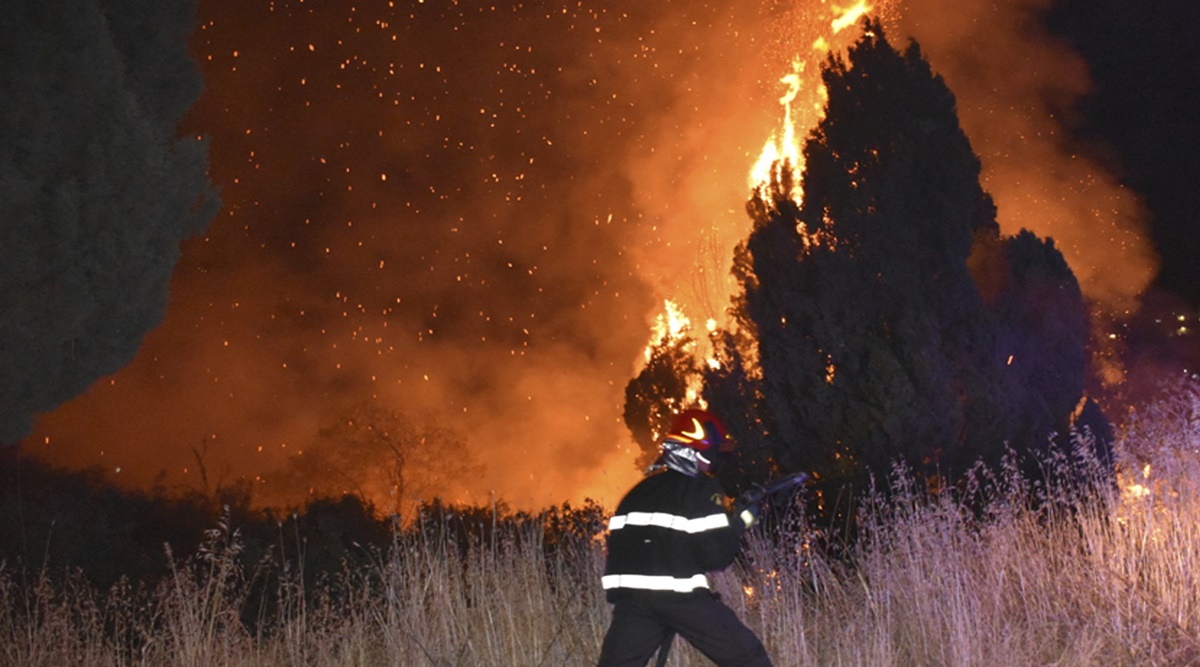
892,320
884,318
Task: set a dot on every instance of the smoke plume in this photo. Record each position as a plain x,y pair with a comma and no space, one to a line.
471,215
1017,88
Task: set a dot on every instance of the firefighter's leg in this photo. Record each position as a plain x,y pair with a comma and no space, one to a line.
634,634
717,632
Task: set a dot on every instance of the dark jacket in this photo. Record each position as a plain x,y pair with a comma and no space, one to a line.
667,533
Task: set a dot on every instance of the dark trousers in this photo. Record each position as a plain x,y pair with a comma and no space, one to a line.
640,624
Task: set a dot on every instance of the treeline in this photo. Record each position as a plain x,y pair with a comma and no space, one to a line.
68,523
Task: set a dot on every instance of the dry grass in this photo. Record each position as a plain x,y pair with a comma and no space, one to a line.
1036,577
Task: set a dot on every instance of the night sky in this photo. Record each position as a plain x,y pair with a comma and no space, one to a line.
473,214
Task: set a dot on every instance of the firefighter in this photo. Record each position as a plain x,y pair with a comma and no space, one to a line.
668,532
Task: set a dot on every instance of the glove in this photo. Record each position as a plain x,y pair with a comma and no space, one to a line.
747,507
749,515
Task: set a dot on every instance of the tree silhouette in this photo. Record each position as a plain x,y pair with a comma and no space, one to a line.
96,193
659,392
892,320
733,390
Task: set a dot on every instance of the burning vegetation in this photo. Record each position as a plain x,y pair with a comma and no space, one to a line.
883,316
1006,570
887,322
452,279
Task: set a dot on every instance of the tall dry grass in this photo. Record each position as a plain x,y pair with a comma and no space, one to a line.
1004,572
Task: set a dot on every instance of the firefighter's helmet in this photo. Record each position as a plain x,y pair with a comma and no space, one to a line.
700,432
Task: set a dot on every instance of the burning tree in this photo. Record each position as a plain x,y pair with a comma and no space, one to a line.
889,318
658,392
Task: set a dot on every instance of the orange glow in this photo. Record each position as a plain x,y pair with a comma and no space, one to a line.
804,96
1012,121
1139,486
800,106
850,16
801,103
671,327
671,324
521,212
782,147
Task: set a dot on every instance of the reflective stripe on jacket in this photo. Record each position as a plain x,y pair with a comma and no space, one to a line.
667,533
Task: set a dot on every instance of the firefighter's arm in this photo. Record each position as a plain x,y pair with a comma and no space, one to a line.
748,505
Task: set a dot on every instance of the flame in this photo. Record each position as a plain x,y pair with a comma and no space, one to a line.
818,32
670,325
1136,489
803,104
849,16
783,147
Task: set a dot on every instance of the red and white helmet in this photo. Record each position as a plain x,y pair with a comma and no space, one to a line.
698,436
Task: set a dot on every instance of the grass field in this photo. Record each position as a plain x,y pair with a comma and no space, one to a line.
1022,574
